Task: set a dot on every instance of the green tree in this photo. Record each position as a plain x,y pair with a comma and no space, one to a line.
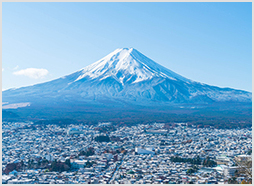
102,138
39,163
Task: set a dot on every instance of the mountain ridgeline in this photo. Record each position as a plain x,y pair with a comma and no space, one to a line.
124,84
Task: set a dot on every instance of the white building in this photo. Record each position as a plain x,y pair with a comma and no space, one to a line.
108,156
79,163
230,171
49,157
157,131
143,151
73,131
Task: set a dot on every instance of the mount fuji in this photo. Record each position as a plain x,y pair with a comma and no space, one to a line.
125,79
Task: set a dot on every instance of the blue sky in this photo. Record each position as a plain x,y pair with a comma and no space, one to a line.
205,42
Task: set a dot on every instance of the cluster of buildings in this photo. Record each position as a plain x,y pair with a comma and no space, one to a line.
134,154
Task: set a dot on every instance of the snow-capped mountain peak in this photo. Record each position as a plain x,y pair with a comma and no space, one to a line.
125,65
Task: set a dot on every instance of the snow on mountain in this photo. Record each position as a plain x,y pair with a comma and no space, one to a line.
125,74
125,63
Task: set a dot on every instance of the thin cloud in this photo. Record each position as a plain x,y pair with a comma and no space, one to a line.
34,73
2,69
15,68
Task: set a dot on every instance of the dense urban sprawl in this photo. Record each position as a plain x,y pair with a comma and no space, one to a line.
144,153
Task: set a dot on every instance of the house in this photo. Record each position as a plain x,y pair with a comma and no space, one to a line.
79,164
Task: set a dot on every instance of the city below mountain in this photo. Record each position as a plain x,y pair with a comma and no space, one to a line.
125,85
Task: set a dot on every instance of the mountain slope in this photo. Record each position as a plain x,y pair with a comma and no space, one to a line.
123,80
